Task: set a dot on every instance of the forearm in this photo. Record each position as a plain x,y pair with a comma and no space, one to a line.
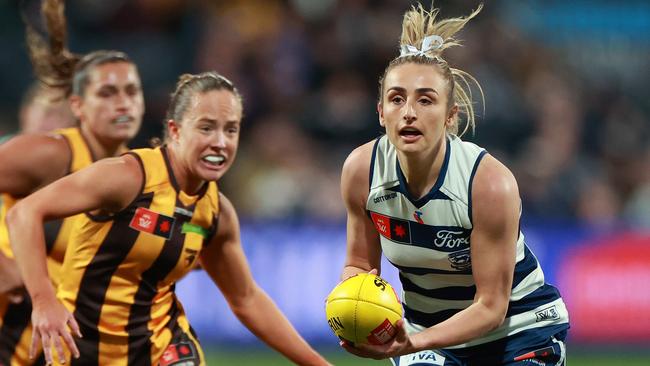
262,317
471,323
27,241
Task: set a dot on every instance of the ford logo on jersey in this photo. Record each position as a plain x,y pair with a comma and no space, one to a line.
451,239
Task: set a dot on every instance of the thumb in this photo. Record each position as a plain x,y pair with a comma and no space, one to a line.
373,271
401,335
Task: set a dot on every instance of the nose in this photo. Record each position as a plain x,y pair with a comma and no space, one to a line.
219,140
409,112
123,101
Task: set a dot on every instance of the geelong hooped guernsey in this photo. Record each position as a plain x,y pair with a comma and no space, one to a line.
121,270
428,240
15,328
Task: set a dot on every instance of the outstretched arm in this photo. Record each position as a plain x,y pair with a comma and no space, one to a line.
224,260
108,185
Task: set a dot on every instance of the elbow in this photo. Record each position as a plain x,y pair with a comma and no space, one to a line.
495,314
242,304
16,215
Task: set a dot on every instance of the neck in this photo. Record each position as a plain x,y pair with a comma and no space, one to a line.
101,149
186,181
421,171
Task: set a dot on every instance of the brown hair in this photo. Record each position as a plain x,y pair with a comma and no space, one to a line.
54,65
190,84
419,23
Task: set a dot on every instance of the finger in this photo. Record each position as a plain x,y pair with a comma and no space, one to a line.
34,345
74,326
59,347
401,335
374,271
72,346
47,349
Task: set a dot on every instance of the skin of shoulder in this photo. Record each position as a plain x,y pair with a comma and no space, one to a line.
355,176
31,161
494,187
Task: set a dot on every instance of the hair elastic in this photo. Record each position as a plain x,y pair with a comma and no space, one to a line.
432,42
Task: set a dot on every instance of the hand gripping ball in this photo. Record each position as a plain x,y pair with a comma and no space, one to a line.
363,309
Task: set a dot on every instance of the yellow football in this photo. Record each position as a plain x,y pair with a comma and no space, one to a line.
363,309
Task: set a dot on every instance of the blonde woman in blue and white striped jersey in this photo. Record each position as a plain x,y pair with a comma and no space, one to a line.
446,214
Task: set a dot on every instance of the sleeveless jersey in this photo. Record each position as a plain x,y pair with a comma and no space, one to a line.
428,240
121,269
15,331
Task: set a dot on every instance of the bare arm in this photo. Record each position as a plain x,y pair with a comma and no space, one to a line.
28,162
108,185
495,213
363,248
225,262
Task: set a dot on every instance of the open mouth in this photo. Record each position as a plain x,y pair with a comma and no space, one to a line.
123,119
409,132
216,160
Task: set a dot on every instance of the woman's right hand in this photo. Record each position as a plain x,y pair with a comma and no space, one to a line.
50,322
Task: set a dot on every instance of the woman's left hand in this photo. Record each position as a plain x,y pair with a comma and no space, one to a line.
400,345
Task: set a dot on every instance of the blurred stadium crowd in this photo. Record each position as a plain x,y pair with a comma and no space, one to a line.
567,103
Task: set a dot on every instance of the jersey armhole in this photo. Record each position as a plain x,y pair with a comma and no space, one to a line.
108,217
480,157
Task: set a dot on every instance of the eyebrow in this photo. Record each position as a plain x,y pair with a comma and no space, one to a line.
418,90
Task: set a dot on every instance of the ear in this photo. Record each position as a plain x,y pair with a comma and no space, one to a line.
174,129
451,117
76,102
380,112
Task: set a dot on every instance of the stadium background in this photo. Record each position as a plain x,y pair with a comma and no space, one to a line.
567,109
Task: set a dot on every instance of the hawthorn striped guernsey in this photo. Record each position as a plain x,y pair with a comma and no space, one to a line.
121,271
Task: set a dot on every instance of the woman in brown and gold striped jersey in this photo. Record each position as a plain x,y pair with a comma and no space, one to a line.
150,215
104,94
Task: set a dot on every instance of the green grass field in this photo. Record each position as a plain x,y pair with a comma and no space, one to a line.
256,356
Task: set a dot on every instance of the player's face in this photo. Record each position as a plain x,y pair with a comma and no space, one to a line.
414,107
112,105
208,136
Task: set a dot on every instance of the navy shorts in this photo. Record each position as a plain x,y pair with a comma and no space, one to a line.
522,349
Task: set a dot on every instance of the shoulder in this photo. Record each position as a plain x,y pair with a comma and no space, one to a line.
356,173
55,147
494,188
228,226
358,162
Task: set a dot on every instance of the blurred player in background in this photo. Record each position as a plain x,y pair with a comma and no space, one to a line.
150,215
446,214
106,100
43,109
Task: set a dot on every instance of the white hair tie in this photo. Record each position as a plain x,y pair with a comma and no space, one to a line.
430,43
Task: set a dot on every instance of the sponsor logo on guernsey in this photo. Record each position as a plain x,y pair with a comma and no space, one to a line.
460,260
385,197
549,313
179,354
152,222
392,228
427,357
190,256
417,215
454,238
